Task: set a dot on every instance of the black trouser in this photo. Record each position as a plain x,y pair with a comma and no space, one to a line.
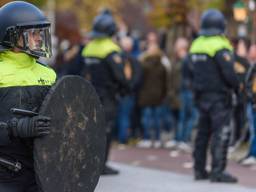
23,181
213,124
240,120
110,115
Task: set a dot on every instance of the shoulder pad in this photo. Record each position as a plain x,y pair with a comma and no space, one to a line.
226,55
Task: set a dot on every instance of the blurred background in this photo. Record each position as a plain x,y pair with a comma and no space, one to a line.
171,26
72,19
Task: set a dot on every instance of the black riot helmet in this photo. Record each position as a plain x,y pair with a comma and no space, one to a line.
24,26
212,23
103,25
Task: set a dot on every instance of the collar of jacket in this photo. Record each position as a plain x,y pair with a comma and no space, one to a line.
20,69
20,59
100,48
210,45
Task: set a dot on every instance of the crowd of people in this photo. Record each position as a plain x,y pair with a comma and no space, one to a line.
158,100
152,104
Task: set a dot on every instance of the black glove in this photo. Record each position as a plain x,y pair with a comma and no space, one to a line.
36,126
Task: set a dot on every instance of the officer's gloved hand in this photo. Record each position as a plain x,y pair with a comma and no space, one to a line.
26,127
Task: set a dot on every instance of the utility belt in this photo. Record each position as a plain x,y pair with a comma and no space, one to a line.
11,165
214,94
212,97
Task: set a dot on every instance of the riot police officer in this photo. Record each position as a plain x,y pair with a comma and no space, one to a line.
214,80
104,68
24,82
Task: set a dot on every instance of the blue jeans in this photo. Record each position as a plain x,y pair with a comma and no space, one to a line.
187,117
151,122
252,151
166,118
125,108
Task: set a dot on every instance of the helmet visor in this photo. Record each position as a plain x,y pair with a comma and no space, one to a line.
35,41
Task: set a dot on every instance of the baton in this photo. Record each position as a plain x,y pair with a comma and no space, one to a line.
23,112
13,166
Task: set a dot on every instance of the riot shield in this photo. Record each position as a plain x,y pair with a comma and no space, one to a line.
70,159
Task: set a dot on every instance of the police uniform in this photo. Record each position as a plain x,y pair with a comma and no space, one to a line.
214,80
24,83
104,67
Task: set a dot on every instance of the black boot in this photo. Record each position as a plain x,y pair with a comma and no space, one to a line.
201,175
223,178
109,171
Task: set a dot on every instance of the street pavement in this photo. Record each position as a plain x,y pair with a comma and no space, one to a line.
160,170
137,179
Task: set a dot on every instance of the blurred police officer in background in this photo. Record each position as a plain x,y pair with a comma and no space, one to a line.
105,69
24,82
214,80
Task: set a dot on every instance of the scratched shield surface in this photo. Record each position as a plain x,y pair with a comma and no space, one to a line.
70,159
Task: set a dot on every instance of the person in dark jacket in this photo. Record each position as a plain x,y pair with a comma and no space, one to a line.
152,93
133,74
24,37
214,80
250,158
240,101
104,68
